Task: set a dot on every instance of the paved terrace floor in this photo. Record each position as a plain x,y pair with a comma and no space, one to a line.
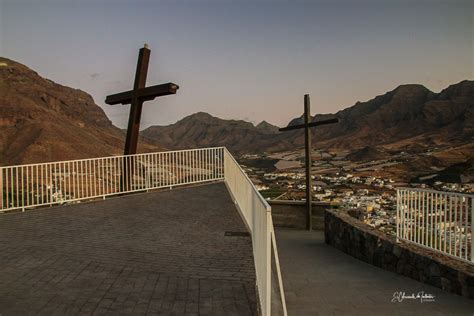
151,253
321,280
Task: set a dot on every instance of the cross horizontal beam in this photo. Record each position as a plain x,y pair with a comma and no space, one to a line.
144,94
312,124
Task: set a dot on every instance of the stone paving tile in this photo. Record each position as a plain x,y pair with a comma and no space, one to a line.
143,254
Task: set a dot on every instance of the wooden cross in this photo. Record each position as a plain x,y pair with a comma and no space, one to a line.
137,96
307,140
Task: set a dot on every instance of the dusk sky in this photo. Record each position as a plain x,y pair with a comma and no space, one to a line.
241,59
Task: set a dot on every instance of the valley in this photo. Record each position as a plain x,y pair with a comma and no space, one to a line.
366,186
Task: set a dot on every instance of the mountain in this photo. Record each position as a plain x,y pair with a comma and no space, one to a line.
266,127
408,115
42,121
410,118
204,130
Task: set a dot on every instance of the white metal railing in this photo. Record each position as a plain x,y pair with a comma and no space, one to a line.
442,221
257,216
34,185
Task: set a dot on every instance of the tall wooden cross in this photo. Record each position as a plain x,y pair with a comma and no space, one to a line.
307,141
137,96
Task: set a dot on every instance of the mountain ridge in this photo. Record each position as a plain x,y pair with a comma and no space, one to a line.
410,111
35,111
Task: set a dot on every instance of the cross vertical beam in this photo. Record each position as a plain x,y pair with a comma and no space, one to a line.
308,162
307,144
137,104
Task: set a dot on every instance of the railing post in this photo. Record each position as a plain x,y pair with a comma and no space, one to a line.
50,184
472,229
1,188
147,175
397,219
268,268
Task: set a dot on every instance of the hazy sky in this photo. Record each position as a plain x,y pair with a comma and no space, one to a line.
250,60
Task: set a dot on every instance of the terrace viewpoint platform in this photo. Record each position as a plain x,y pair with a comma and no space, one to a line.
321,280
167,252
150,253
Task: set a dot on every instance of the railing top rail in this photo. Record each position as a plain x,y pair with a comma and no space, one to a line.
469,195
260,197
106,157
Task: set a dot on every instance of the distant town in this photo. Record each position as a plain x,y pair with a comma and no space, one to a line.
366,189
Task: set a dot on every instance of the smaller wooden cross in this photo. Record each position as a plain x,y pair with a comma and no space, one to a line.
307,140
137,96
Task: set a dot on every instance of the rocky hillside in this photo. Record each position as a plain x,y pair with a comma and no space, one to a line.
410,118
43,121
410,114
266,127
203,130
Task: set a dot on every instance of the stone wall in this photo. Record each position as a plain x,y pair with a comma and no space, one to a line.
292,214
372,246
